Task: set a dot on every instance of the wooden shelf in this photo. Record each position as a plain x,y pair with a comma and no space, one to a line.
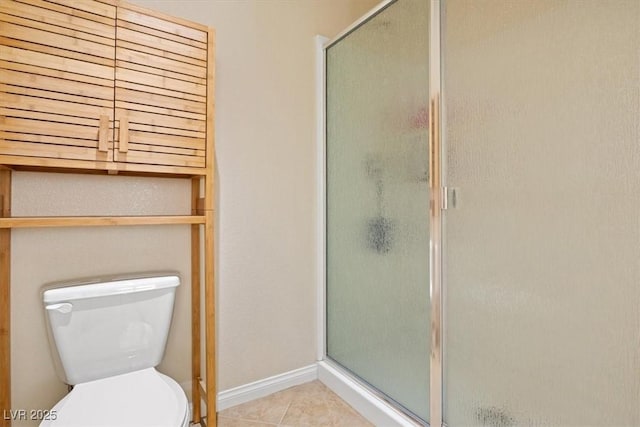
97,221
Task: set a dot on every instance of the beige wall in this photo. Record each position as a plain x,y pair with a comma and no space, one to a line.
266,164
41,256
266,197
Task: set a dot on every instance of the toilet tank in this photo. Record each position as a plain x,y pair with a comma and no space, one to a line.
107,327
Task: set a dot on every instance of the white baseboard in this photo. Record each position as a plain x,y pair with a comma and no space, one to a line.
264,387
372,407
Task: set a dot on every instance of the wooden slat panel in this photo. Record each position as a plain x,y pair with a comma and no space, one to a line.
158,52
160,82
43,163
160,159
142,58
164,23
26,114
160,43
166,150
152,90
47,139
165,131
67,77
54,62
114,3
53,106
49,94
98,221
33,22
64,130
137,117
157,110
166,140
63,53
159,91
161,101
159,169
98,94
162,34
160,72
53,151
95,7
44,4
67,43
43,18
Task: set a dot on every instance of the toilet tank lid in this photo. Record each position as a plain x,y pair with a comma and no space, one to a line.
109,288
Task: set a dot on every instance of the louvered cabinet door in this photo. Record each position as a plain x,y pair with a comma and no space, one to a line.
161,92
57,82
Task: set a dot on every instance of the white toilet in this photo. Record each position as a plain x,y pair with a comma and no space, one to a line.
107,337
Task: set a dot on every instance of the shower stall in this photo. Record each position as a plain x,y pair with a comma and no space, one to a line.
482,210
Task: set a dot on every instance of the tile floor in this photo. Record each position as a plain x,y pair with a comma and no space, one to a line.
310,404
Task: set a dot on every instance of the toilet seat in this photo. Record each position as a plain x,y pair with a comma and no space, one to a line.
136,399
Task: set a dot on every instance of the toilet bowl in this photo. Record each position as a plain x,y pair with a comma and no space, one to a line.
107,339
144,398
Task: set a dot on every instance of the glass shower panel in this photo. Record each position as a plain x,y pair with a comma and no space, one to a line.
378,203
542,250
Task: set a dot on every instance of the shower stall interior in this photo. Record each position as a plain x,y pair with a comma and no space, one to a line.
482,210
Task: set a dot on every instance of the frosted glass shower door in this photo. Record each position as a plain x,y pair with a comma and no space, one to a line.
378,203
542,250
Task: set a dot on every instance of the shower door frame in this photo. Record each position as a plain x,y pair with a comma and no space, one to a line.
437,205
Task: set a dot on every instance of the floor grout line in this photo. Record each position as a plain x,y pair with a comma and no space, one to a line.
249,421
285,412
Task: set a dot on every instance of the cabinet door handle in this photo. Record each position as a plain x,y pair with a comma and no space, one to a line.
103,134
124,134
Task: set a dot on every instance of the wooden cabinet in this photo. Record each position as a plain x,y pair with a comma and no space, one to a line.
56,82
103,85
160,90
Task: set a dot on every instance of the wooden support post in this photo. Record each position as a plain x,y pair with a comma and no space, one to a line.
5,298
200,205
196,353
209,245
210,316
203,392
